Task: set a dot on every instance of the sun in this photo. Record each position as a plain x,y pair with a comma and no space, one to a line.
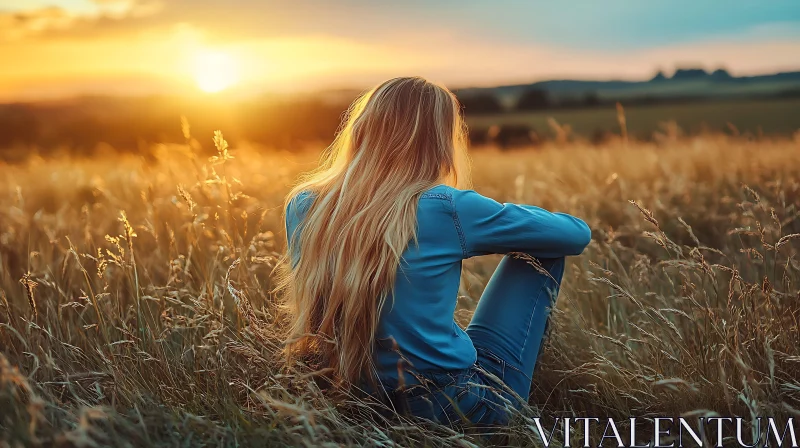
215,71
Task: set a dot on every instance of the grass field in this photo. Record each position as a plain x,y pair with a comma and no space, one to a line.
135,306
752,117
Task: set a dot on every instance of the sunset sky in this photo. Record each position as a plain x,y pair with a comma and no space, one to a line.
57,48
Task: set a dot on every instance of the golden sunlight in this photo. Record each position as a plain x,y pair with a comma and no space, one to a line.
215,71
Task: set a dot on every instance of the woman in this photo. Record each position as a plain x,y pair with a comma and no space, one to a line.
376,239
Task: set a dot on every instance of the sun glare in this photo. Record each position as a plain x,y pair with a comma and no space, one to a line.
215,71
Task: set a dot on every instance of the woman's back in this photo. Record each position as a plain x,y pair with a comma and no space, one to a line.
416,324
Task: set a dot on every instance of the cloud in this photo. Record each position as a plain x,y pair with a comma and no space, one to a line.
18,25
238,19
56,22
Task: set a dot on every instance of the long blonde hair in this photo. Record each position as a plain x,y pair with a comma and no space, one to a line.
396,141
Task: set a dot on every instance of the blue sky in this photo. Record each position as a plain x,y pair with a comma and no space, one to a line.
628,24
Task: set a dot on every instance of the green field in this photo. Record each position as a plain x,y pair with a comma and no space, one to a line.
747,116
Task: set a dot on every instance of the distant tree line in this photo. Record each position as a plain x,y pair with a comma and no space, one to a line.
585,94
535,99
530,100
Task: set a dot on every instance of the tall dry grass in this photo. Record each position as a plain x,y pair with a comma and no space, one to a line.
135,306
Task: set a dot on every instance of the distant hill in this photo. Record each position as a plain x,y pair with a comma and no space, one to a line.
685,84
88,124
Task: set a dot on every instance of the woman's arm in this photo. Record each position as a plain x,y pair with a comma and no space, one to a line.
490,227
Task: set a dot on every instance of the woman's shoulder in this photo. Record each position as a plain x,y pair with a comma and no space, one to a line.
440,191
301,197
299,204
453,194
448,192
302,200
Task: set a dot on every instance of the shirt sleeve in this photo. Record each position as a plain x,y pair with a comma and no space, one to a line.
489,227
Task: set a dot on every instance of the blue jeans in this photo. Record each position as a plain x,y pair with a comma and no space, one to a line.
507,330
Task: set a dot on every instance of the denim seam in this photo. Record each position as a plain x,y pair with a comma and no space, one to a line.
457,408
504,363
530,321
497,358
460,231
465,389
436,381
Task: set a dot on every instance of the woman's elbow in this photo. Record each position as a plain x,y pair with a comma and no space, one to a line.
581,238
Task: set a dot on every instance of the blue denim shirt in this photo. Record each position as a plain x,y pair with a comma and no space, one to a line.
452,225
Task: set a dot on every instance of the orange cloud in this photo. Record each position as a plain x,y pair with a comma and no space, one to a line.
54,22
18,25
